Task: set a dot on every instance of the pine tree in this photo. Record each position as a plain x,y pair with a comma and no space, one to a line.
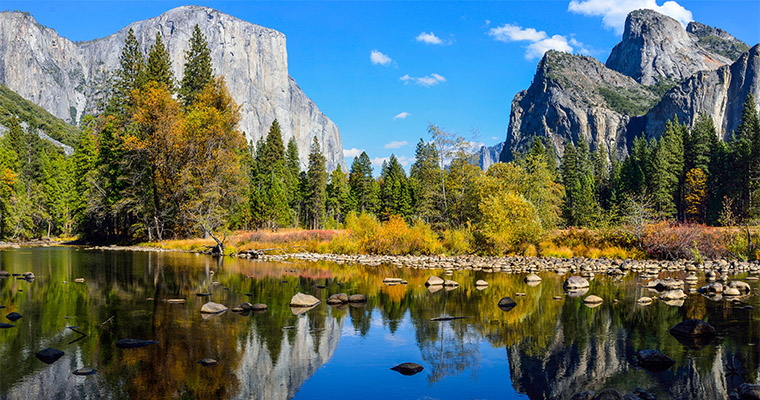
292,171
338,194
129,76
394,190
667,173
360,180
423,172
159,67
317,185
198,71
84,162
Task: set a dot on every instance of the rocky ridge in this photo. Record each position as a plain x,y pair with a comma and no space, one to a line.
69,79
658,70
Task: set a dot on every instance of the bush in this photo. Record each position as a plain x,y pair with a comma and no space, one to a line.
509,221
668,241
457,241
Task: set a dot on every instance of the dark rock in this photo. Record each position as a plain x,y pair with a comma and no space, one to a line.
748,391
85,371
408,368
203,294
207,362
654,360
643,395
3,325
692,328
338,298
4,274
134,343
609,394
438,319
589,395
246,306
14,316
357,298
49,355
258,307
506,303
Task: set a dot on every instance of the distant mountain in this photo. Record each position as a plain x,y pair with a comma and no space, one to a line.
34,118
69,79
658,70
488,155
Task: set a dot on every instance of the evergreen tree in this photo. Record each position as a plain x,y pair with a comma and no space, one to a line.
198,71
578,178
129,76
317,185
395,198
360,180
338,194
159,66
423,173
292,171
667,173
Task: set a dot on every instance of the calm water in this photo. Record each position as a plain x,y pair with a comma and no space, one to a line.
542,349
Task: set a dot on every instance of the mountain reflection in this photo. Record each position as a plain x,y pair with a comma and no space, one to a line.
554,347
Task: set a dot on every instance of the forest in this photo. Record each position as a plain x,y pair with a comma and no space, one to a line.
162,158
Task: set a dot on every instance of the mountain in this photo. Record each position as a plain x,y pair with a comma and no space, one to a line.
69,79
658,70
488,155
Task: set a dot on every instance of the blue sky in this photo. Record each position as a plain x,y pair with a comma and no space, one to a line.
455,64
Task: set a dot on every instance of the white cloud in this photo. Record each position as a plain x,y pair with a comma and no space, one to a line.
378,161
396,144
614,12
352,152
540,42
379,58
427,81
429,38
401,115
403,160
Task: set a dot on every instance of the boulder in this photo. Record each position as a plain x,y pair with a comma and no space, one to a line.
408,368
692,328
246,306
392,280
28,275
609,394
532,278
748,391
213,308
4,274
258,307
49,355
588,395
742,287
303,300
677,294
176,301
79,280
575,283
450,283
237,309
338,298
481,283
207,362
641,394
434,281
644,301
3,325
506,303
711,288
84,371
134,343
357,298
14,316
591,299
654,360
731,292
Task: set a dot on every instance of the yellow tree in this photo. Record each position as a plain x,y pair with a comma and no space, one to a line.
509,220
695,194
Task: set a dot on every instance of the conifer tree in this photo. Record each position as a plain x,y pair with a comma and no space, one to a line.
667,172
198,71
159,66
317,185
129,76
424,170
292,171
360,181
338,194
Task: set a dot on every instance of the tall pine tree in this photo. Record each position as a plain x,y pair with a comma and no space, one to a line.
198,71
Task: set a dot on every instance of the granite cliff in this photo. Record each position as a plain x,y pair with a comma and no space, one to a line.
69,78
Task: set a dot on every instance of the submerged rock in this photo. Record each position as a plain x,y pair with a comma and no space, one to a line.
14,316
575,282
258,307
203,294
434,281
677,294
654,360
748,391
134,343
481,283
49,355
207,362
303,300
357,298
3,325
532,278
213,308
644,301
592,299
338,298
506,303
692,328
84,371
609,394
408,368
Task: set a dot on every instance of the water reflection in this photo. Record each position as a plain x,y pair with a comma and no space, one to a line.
544,348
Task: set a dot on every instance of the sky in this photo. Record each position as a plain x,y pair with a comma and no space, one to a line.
384,71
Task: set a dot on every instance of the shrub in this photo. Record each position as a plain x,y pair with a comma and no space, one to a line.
668,241
509,220
457,241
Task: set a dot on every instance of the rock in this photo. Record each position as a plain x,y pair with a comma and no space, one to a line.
692,328
609,394
711,288
4,274
237,309
392,280
203,294
589,395
3,325
674,295
303,300
176,301
641,394
357,298
13,317
408,368
84,371
450,283
644,301
207,362
213,308
434,281
79,280
134,343
591,299
481,283
246,306
557,297
576,292
253,59
49,355
575,282
731,292
506,304
338,298
748,391
654,360
532,278
258,307
28,275
742,287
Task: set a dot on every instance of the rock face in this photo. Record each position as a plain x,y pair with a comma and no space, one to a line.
718,93
489,155
658,70
68,79
657,48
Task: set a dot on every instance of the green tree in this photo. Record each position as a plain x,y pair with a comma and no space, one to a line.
360,179
667,172
317,186
129,76
424,170
159,66
198,70
338,195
